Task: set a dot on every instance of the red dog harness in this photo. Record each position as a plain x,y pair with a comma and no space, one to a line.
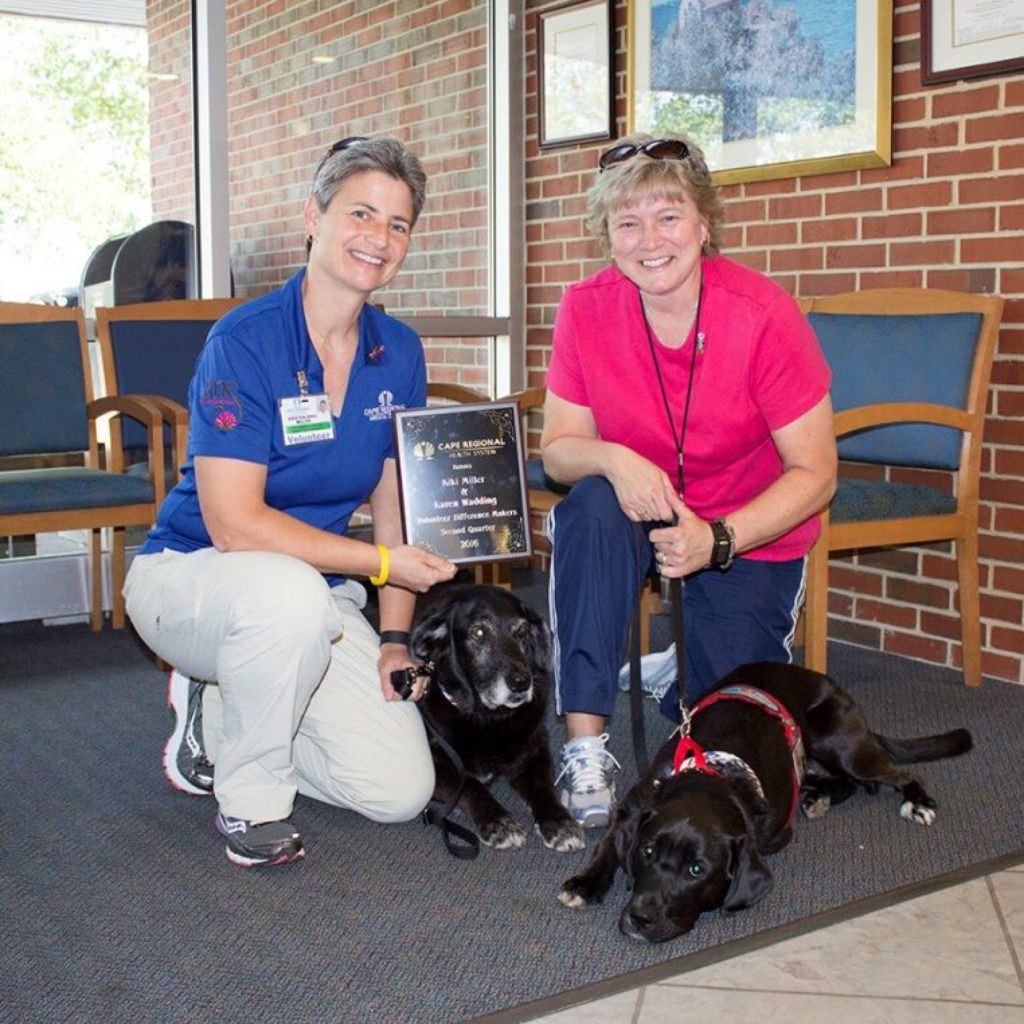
690,756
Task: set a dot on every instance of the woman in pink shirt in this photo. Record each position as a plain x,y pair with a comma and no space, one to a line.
688,409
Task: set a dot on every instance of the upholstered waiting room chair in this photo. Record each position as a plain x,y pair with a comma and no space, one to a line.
51,475
911,369
150,348
543,492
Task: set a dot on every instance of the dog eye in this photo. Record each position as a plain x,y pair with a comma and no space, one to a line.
695,870
478,632
647,851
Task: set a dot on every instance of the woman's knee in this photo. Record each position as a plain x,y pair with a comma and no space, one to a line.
403,801
393,793
590,501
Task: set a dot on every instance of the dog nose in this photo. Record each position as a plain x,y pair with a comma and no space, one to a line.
639,919
519,681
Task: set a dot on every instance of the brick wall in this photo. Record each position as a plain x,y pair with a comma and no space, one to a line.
948,213
170,110
418,71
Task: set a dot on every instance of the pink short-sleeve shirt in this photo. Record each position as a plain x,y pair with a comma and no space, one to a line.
760,369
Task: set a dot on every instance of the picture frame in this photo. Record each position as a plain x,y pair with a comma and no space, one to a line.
575,78
784,96
963,39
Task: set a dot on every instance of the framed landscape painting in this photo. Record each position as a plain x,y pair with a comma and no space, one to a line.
767,88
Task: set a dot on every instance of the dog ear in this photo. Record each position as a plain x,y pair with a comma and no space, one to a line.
430,637
627,830
540,634
749,877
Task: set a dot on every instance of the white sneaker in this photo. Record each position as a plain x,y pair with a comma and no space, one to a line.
585,770
657,672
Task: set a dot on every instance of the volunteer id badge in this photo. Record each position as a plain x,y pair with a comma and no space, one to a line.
306,418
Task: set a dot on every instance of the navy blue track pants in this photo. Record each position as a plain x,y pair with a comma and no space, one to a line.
600,559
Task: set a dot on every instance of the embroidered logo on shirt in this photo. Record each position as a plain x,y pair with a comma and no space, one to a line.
221,405
385,407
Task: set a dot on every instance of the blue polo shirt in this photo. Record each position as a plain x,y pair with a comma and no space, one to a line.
254,358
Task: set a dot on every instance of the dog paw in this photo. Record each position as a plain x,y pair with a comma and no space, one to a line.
580,891
571,899
563,836
816,806
503,834
919,813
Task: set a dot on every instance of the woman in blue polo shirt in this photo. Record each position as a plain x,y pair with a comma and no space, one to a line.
245,580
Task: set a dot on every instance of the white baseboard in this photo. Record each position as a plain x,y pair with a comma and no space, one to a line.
54,588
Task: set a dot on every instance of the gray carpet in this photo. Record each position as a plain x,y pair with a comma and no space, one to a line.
118,905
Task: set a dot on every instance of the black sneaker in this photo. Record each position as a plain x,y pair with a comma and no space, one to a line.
251,844
185,765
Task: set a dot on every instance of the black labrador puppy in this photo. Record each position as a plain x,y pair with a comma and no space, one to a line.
692,833
491,655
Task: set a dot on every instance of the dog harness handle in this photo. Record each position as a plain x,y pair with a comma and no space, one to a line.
689,749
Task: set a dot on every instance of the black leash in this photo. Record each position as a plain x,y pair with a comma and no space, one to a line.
460,841
636,692
671,592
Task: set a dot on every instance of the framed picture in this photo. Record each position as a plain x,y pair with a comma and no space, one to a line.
774,89
574,68
970,39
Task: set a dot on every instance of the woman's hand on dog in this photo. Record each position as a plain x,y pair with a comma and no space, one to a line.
418,570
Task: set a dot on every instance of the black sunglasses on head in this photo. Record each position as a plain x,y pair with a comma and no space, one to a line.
352,140
656,149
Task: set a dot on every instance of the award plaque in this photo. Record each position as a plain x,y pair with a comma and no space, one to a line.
461,481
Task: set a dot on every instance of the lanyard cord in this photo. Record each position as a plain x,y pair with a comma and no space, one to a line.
698,344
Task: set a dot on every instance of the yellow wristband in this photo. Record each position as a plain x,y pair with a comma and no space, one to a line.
385,565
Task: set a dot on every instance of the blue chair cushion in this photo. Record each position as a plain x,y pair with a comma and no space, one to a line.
155,357
881,358
49,417
538,480
68,487
858,501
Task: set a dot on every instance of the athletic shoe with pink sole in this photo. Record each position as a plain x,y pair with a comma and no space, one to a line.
251,844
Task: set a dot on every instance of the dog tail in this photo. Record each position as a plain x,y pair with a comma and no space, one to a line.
927,748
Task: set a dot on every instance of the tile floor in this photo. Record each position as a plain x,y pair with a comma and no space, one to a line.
950,957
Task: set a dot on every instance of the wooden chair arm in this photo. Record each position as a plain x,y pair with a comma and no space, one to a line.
176,416
140,408
889,413
454,392
528,398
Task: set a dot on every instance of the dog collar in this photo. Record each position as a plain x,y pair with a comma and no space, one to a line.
767,703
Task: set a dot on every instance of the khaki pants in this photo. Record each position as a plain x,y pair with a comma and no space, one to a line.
297,706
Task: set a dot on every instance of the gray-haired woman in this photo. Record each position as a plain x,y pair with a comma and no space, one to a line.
246,580
688,405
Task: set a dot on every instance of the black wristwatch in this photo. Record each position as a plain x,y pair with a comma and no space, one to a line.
724,548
